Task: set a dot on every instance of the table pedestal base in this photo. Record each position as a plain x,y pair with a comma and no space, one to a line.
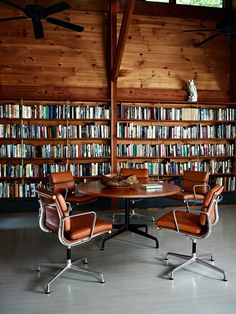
127,226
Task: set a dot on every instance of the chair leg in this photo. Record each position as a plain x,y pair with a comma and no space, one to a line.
69,265
208,256
219,270
55,277
194,258
188,262
49,265
177,255
89,272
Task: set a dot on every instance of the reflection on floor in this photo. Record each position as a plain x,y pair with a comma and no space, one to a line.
135,273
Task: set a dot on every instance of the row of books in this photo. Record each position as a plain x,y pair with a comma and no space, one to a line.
60,131
55,111
12,150
16,189
155,112
72,151
93,169
89,112
89,131
102,111
12,171
178,168
55,151
227,182
78,170
217,131
155,168
89,150
183,150
131,130
43,170
123,150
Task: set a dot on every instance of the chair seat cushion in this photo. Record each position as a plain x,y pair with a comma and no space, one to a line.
186,196
80,227
187,222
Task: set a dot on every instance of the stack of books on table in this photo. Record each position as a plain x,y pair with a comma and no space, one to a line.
152,186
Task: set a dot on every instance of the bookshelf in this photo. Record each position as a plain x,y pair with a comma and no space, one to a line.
169,138
91,138
37,138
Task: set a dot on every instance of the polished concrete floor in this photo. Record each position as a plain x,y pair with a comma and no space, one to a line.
135,273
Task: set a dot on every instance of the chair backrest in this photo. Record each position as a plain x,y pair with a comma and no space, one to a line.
60,181
210,205
140,173
52,209
192,178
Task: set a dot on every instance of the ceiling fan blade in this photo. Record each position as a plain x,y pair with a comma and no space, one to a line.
58,7
199,30
12,4
38,28
13,18
206,40
61,23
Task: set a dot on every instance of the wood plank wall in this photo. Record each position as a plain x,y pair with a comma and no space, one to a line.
62,58
159,54
70,65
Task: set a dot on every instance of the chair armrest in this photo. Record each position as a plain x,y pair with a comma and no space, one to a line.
69,207
189,211
62,227
199,185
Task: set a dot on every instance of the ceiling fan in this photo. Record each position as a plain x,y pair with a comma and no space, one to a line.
226,28
37,13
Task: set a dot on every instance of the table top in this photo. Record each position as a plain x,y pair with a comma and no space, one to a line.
97,189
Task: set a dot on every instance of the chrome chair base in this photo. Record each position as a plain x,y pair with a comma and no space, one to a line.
190,259
69,265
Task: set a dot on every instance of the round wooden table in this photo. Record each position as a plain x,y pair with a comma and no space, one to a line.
126,193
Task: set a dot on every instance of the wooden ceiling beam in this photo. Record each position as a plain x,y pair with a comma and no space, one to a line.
122,38
112,34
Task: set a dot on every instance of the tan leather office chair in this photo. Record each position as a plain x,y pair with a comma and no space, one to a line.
194,188
141,174
71,230
63,182
196,225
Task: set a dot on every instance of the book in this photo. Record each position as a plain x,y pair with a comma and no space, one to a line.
152,186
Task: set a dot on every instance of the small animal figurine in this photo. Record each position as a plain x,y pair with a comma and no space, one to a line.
192,91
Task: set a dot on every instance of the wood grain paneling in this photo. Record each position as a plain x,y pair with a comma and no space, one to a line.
63,58
158,55
147,94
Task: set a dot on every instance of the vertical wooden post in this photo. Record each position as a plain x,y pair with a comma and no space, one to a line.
113,87
113,84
